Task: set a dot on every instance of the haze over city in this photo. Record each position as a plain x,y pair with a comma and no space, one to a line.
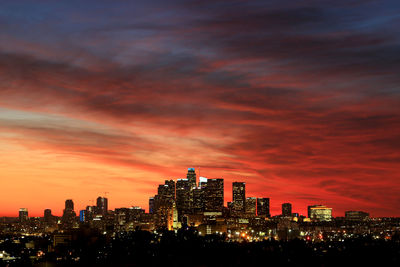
298,99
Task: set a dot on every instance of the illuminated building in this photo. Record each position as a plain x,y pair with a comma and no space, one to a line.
163,204
90,213
320,213
203,182
251,206
263,207
356,215
82,215
286,210
184,197
214,195
102,205
198,200
23,215
238,197
191,176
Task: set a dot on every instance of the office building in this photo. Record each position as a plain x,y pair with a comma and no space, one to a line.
286,210
191,176
214,195
151,205
82,216
47,216
356,215
251,206
320,213
69,216
198,200
102,205
184,197
238,197
23,215
263,207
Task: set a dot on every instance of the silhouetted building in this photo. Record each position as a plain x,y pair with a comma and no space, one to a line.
356,215
47,216
191,176
286,210
263,207
69,216
151,205
102,205
320,213
238,197
251,206
69,204
214,195
23,215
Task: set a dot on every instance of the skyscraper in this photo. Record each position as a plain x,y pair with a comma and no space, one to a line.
23,215
286,210
102,205
214,195
191,176
184,197
198,200
251,206
263,207
69,216
164,203
151,205
69,204
238,197
47,216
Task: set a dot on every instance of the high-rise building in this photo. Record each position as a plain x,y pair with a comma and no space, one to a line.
191,176
47,216
251,206
69,204
151,205
356,215
214,195
102,205
82,216
69,216
163,204
263,207
286,210
198,200
238,197
320,213
23,215
184,197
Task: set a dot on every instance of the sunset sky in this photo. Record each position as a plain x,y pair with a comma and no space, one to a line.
299,99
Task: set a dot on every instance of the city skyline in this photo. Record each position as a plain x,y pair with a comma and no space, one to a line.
238,195
298,99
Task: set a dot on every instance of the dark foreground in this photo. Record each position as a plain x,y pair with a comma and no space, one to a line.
142,248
